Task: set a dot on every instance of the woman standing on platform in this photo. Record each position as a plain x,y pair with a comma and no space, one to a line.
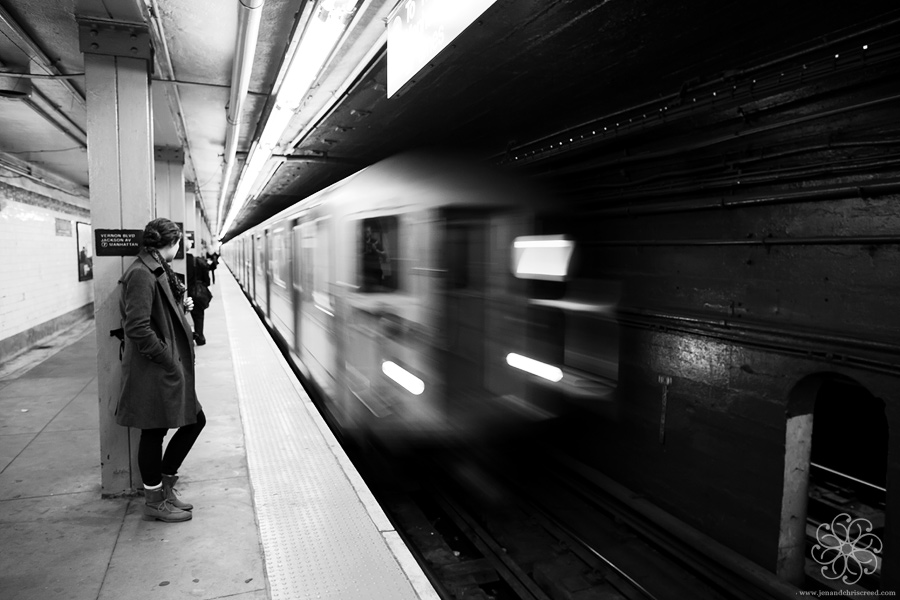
158,369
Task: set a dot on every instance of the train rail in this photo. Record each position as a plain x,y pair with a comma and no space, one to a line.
553,534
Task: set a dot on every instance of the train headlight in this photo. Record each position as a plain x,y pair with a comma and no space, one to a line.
535,367
544,257
404,378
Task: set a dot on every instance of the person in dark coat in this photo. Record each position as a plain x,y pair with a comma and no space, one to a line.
158,369
212,260
198,287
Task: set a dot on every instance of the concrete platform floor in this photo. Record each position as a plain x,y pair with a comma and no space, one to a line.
60,540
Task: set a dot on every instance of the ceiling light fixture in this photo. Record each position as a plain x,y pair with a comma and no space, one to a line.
317,41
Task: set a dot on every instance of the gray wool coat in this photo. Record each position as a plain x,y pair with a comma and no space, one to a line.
158,360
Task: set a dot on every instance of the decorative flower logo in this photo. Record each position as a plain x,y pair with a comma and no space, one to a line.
848,548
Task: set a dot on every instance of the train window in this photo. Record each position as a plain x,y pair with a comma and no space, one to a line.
259,256
284,264
321,258
457,257
307,257
296,259
280,242
378,251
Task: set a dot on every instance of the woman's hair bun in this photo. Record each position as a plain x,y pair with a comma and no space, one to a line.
160,233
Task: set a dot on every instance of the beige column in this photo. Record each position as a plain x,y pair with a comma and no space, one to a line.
169,176
120,157
191,223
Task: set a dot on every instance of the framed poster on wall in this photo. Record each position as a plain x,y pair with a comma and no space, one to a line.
85,245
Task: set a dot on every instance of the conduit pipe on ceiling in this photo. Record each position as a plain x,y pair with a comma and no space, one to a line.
250,12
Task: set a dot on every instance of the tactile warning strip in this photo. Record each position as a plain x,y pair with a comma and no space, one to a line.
321,536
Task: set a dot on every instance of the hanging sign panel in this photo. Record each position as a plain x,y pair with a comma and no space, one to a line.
419,29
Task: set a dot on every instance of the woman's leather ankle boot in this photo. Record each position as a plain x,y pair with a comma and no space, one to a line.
168,482
156,506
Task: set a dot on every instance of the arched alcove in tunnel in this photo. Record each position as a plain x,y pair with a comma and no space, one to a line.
850,438
836,456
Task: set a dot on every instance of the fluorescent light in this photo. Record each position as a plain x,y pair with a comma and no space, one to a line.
407,380
315,47
529,365
318,39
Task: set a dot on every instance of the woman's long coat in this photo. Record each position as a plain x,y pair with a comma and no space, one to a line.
158,360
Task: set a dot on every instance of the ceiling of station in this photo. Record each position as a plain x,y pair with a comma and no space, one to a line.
525,71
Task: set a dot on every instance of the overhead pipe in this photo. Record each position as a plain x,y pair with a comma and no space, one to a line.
731,181
834,240
28,173
204,84
875,190
660,108
245,50
778,338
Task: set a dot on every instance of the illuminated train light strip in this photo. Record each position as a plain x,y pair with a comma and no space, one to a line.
534,367
324,310
542,244
407,380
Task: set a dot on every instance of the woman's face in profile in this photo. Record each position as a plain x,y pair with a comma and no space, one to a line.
168,253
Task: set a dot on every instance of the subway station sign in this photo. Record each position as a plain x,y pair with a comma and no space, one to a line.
419,29
126,242
117,242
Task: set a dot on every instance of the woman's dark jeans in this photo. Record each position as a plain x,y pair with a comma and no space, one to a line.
151,460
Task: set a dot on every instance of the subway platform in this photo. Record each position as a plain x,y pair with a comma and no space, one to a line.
280,512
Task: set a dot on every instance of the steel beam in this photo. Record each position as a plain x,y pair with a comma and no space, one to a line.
39,101
15,33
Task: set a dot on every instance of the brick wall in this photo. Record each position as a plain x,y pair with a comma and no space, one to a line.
39,259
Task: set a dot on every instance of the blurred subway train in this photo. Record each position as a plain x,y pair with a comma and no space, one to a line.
425,300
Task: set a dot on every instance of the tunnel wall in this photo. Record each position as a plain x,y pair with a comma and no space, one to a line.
736,329
756,237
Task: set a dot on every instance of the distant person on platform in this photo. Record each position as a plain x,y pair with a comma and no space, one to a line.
86,263
212,259
158,370
198,288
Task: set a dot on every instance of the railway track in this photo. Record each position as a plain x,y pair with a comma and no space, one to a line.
549,533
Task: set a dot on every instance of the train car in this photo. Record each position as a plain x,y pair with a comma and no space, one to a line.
405,296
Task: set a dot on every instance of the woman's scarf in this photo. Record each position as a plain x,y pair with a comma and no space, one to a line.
175,284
